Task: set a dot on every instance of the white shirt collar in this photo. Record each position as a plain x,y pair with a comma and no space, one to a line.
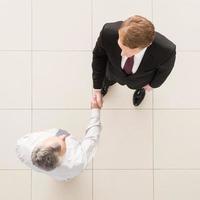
141,53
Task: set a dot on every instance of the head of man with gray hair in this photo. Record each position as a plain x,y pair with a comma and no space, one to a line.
48,155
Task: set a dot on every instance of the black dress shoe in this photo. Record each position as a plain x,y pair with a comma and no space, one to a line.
104,89
138,96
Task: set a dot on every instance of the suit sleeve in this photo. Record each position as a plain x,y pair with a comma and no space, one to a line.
99,62
163,71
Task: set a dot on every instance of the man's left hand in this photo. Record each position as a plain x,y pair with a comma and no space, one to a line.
148,88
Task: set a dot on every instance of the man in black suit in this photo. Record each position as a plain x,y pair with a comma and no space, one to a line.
131,53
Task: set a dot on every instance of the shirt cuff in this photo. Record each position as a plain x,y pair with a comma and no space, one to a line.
96,90
95,112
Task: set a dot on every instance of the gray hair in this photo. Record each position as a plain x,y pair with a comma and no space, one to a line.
46,157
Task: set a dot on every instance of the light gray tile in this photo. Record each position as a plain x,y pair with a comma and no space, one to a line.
62,25
79,188
15,23
178,21
175,185
15,80
123,184
14,124
126,140
62,80
15,184
176,134
181,88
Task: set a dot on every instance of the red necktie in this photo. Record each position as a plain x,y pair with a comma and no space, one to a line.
128,66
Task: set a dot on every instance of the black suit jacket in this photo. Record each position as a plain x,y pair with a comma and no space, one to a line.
154,68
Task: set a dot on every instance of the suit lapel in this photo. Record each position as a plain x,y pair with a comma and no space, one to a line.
118,56
146,60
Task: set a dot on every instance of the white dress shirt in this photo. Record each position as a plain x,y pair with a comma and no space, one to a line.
137,60
78,153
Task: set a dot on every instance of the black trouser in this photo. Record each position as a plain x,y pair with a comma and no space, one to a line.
108,82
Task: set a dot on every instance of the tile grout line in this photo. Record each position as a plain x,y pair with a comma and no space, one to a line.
92,179
120,169
153,141
153,148
31,54
105,109
46,50
149,169
15,169
76,50
92,18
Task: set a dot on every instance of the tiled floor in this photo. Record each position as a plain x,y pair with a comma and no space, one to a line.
146,153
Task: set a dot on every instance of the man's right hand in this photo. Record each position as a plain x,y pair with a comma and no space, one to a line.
99,98
94,103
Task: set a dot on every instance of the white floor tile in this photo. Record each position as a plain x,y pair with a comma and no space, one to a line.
15,80
15,21
79,188
178,21
181,88
123,184
126,140
15,184
14,124
62,80
176,134
175,185
62,25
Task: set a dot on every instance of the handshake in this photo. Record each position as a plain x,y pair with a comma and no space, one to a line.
97,100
